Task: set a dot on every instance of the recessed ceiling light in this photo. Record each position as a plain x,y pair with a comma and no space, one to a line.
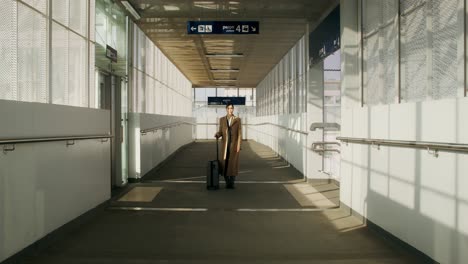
225,80
171,8
224,55
224,70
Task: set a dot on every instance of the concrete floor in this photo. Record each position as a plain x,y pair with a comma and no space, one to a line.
271,217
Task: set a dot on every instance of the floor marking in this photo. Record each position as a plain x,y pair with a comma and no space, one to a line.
127,208
222,180
159,209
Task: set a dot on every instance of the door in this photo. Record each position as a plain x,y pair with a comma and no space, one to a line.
110,91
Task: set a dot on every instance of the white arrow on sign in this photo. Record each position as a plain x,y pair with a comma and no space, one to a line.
254,29
193,28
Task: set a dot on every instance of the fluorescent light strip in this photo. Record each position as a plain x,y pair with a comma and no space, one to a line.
224,70
225,80
224,55
131,10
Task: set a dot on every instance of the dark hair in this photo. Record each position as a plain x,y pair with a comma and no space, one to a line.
228,104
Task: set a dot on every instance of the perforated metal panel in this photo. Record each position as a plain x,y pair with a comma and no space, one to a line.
141,92
40,5
372,77
8,85
78,16
77,84
149,94
149,58
389,56
380,46
444,82
372,15
59,64
92,76
60,11
31,57
92,20
413,53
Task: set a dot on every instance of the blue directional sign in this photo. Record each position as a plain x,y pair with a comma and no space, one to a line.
223,27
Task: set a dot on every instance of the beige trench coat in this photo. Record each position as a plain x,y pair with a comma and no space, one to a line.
236,139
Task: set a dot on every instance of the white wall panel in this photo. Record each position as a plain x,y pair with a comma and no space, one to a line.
410,193
42,184
152,148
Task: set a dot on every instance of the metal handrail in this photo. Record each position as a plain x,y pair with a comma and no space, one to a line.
334,126
280,126
323,144
48,139
326,150
326,143
430,146
144,131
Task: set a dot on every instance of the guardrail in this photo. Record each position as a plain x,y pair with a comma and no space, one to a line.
320,147
280,126
165,126
431,147
9,144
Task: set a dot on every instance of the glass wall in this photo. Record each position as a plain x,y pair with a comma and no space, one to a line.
47,54
111,30
283,91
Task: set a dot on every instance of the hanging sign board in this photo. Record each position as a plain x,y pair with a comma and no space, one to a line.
225,100
111,53
223,27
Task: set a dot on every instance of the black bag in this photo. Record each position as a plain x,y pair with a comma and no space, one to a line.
212,176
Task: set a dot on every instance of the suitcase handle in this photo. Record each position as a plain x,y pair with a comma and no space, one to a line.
217,151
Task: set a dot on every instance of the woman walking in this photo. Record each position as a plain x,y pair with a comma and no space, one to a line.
230,129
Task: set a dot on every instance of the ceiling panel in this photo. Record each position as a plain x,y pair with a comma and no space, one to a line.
282,24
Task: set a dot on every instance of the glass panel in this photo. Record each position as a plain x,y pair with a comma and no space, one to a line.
124,124
32,52
101,26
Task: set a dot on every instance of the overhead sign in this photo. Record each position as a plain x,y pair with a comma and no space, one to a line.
223,27
225,100
111,53
325,39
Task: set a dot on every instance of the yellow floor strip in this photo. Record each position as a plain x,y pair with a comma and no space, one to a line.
141,194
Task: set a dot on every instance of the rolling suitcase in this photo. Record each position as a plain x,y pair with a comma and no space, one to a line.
212,176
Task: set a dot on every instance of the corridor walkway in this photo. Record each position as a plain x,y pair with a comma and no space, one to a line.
271,217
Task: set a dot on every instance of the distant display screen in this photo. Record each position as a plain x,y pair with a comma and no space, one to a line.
225,100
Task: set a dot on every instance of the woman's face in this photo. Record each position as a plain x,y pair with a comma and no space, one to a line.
230,110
